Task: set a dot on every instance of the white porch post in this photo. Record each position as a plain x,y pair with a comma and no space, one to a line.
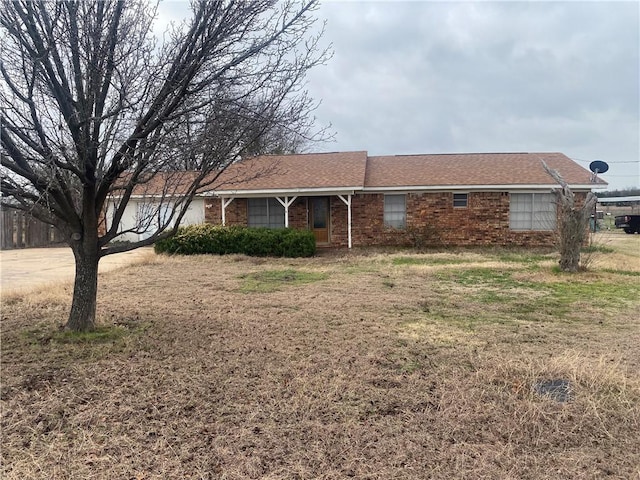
286,203
347,202
225,203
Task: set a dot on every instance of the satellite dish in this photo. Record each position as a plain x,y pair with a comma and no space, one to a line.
598,166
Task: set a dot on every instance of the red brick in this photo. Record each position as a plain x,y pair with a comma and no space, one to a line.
431,220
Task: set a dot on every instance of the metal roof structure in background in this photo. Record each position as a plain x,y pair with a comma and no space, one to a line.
633,199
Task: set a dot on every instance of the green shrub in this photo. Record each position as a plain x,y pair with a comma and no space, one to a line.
258,242
300,244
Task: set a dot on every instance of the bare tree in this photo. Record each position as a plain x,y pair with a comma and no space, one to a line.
263,134
95,109
573,222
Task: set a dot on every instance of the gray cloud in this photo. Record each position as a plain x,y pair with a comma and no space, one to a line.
430,77
426,77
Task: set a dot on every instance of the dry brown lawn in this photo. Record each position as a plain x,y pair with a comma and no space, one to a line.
393,365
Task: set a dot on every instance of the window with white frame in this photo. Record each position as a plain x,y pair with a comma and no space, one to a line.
532,211
395,211
265,212
460,200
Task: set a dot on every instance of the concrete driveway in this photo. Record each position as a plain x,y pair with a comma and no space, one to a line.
29,268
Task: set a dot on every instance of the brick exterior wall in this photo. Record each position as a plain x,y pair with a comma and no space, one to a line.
213,211
298,214
237,213
432,220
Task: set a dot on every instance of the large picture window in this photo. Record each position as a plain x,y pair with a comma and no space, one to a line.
395,211
532,211
265,212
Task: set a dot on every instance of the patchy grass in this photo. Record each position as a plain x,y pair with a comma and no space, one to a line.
395,365
101,334
597,249
271,280
481,276
427,260
523,257
621,272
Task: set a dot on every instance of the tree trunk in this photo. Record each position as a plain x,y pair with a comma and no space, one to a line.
572,222
570,255
573,231
85,289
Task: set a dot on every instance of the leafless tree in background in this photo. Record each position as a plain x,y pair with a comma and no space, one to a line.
95,108
573,222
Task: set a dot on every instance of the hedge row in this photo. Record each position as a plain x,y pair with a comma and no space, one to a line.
258,242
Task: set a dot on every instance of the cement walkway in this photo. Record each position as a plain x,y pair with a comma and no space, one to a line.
28,268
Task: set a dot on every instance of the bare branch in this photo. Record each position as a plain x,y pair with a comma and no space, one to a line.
96,112
573,221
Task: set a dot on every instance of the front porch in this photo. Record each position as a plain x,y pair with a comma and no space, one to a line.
328,215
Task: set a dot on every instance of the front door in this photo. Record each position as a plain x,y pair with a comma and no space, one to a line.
320,219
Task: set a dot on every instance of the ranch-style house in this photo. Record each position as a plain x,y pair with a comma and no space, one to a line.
351,199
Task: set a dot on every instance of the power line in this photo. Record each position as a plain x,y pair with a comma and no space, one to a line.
610,162
626,176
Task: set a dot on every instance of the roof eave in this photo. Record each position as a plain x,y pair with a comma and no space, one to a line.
480,188
138,196
290,192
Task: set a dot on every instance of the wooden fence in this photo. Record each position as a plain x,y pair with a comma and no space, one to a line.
20,230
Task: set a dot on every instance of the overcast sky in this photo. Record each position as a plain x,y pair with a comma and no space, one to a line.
445,77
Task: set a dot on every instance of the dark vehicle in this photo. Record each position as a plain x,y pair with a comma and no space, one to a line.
630,223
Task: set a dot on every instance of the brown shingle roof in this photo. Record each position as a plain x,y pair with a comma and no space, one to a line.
471,169
356,171
173,183
311,170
